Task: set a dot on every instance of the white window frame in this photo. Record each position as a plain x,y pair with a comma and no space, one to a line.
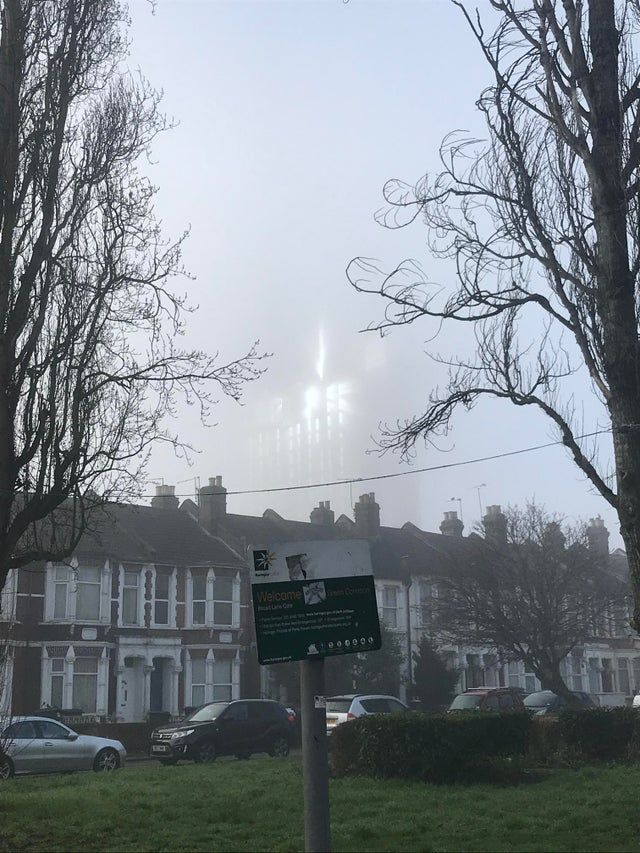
384,608
102,685
125,570
225,685
72,592
79,582
8,596
189,602
234,601
171,616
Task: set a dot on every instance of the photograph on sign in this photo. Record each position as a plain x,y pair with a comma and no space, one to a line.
313,599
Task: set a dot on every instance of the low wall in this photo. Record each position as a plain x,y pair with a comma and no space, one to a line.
135,737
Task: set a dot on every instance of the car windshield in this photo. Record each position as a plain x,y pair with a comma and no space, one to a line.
539,700
338,705
465,701
207,712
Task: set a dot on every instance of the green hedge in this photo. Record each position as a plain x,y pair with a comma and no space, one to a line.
431,747
603,734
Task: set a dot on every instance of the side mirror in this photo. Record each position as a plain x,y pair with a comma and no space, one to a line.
72,736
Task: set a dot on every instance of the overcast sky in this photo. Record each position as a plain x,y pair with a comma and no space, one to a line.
291,116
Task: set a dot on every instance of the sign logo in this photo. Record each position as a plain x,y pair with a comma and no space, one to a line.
262,561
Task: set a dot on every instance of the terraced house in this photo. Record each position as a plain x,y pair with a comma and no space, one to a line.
152,614
148,616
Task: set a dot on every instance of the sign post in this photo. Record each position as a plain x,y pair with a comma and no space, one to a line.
311,600
315,761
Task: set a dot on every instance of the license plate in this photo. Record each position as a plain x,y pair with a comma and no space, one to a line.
159,748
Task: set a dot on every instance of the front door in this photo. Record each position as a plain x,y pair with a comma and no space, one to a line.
131,690
156,698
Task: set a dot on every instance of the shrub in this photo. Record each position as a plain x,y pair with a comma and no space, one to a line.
604,734
431,747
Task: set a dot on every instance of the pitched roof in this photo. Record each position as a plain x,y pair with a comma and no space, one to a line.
153,534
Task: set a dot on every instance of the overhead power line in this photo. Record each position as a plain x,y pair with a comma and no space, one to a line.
406,473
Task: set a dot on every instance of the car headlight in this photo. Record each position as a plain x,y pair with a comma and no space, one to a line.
185,733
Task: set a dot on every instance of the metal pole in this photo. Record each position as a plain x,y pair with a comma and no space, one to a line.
315,762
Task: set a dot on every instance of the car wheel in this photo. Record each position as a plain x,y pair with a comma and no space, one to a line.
206,752
6,768
107,760
279,748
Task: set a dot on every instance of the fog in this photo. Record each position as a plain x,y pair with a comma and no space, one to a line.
290,117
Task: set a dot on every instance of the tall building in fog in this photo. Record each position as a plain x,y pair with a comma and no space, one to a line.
319,430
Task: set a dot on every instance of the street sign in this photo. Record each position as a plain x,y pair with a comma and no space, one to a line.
313,599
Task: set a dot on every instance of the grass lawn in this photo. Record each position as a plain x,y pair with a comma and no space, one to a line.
257,805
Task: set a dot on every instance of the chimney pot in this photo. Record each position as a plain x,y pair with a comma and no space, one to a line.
495,524
212,504
165,497
367,516
451,526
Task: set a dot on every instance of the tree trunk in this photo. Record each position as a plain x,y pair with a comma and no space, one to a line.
551,679
615,284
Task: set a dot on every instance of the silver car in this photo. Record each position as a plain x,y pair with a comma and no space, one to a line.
41,745
339,709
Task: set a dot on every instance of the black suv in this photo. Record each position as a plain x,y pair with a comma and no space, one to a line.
226,728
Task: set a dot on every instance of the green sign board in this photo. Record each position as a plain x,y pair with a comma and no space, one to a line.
314,599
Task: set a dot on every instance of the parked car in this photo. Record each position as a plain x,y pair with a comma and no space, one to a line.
36,744
237,728
635,702
488,699
547,703
339,709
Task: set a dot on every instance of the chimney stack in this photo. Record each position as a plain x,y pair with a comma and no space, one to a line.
367,516
322,514
451,526
165,498
495,524
598,537
212,504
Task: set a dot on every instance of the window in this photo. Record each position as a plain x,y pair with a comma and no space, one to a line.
52,731
238,712
491,703
199,598
608,685
506,702
61,592
130,595
20,731
428,594
576,672
390,606
513,668
223,601
57,682
198,681
88,595
594,676
530,683
222,681
85,684
623,676
162,596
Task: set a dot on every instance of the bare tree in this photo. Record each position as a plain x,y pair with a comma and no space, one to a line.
89,358
532,596
543,222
